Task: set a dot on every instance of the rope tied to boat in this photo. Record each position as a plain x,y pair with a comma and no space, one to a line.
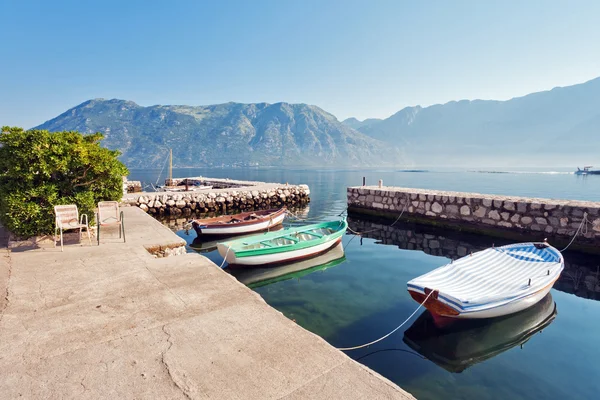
583,226
225,257
392,332
378,229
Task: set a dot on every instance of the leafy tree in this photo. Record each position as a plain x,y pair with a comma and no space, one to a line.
41,169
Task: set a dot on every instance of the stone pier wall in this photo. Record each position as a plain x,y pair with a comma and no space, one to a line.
491,214
220,200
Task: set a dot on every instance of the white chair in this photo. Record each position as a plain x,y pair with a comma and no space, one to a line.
67,218
109,214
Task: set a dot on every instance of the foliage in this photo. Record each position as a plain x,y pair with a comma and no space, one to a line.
41,169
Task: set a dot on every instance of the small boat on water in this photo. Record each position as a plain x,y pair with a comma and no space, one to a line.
286,245
258,277
463,343
587,170
207,243
490,283
246,222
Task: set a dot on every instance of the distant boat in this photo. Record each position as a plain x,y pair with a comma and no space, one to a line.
182,186
490,283
463,343
258,277
286,245
587,170
237,224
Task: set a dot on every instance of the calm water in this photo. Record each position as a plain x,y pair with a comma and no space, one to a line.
364,297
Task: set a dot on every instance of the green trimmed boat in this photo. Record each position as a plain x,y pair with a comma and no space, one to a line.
289,244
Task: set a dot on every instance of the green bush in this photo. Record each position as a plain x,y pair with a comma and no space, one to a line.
41,169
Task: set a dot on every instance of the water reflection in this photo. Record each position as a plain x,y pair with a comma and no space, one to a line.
257,277
463,343
581,275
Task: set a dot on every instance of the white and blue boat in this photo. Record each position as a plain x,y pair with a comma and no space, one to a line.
490,283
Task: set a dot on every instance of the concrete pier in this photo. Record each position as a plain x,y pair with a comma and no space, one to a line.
517,218
112,321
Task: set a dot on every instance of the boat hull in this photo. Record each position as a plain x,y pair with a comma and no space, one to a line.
439,307
243,227
275,258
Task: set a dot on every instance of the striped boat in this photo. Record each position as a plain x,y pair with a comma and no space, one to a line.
490,283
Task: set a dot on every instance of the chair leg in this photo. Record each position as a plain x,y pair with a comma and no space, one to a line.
120,231
123,229
61,241
87,229
98,234
55,237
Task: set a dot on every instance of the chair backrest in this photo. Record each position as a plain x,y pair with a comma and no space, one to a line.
108,212
66,215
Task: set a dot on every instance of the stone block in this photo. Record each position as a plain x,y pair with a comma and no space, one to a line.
541,220
536,206
488,221
526,220
487,202
452,209
494,215
564,222
515,218
436,207
465,210
509,205
521,207
505,215
377,205
430,214
549,229
480,212
505,224
497,203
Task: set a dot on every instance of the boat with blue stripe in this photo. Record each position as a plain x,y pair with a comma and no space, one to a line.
490,283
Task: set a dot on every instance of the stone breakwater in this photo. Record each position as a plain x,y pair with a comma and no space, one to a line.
491,214
581,275
221,200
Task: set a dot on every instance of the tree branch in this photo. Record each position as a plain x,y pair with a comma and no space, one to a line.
87,183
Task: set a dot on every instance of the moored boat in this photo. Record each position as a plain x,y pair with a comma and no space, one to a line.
286,245
246,222
490,283
258,277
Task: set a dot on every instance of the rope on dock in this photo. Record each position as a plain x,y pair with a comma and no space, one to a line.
383,337
583,225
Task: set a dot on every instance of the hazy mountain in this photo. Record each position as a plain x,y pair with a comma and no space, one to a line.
232,133
356,124
555,127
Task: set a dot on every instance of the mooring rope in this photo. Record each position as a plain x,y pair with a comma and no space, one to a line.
383,337
582,225
161,170
378,229
225,258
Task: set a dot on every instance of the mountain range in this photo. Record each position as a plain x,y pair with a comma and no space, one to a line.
556,127
228,134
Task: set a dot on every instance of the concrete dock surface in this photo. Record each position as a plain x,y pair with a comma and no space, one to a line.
111,321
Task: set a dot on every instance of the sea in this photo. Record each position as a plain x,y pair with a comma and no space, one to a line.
551,351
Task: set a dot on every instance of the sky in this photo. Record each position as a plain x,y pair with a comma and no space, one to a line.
365,59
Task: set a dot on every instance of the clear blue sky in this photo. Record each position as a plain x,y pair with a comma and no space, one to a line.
352,58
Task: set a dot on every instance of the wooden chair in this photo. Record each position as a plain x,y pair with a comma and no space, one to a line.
67,218
109,214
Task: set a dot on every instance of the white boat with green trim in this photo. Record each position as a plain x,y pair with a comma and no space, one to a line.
286,245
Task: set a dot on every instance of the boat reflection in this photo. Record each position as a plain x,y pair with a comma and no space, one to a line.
257,277
208,243
462,343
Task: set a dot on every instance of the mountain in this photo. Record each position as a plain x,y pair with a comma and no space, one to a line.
559,126
356,124
225,134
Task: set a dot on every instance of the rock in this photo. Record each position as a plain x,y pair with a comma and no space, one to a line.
465,210
541,220
505,224
509,205
436,208
452,209
494,215
515,218
487,202
144,207
505,216
480,212
180,203
526,220
170,203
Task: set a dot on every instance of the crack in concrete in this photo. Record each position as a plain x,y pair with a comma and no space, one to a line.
163,361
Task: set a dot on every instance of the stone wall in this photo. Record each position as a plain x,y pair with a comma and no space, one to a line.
559,219
581,275
221,200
